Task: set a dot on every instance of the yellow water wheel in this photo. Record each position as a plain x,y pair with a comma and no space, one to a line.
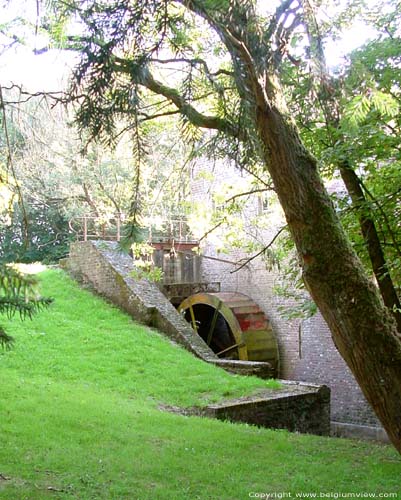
232,325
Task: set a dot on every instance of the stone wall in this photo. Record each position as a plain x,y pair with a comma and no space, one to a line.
107,271
296,407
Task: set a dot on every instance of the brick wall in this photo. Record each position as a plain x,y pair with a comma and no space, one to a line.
307,352
320,362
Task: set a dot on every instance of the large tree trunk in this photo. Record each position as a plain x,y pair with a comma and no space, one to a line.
363,330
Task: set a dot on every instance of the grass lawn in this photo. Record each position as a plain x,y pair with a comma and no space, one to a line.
79,398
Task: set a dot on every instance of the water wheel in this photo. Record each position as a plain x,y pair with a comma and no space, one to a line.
232,325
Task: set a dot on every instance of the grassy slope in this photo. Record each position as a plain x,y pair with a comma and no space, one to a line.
81,339
78,401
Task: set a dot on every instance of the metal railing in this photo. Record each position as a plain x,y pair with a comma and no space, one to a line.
171,230
92,227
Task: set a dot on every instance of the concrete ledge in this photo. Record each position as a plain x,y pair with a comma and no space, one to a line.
259,369
355,431
296,407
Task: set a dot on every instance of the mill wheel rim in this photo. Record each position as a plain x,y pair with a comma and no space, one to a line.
250,325
217,304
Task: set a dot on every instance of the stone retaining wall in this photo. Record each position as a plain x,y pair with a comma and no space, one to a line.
107,270
296,407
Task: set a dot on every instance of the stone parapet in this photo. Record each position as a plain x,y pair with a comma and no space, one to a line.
107,270
296,407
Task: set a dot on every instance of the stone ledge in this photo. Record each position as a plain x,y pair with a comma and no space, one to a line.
356,431
259,369
296,407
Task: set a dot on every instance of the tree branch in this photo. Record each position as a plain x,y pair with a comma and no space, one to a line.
220,223
145,117
55,96
253,191
194,62
241,49
259,253
108,195
384,215
146,79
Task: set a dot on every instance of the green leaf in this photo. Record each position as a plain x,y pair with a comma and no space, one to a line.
385,104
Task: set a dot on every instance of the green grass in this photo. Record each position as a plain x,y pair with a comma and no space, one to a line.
79,419
82,339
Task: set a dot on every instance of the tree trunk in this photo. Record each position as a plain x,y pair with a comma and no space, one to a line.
372,242
362,328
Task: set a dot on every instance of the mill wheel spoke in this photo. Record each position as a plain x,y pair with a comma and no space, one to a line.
213,324
228,349
193,320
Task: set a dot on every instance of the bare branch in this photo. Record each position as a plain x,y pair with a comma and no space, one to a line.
220,223
253,191
55,96
261,252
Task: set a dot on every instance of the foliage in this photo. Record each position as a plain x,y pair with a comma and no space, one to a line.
145,270
296,302
51,169
18,293
354,120
144,267
375,136
54,173
48,235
